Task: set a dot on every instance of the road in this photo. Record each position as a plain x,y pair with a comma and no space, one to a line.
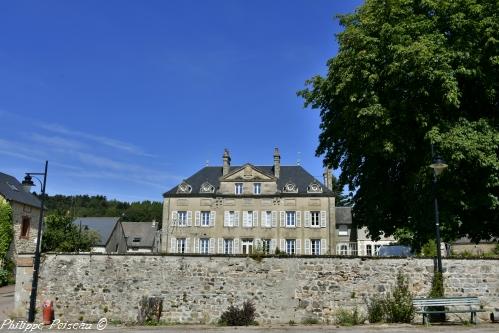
6,302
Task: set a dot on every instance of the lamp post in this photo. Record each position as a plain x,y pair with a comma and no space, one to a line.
27,183
438,167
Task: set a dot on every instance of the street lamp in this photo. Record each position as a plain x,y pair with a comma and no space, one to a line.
438,167
27,184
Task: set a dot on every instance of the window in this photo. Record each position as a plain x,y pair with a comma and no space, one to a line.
248,219
290,246
228,246
136,239
181,245
257,188
290,219
25,227
266,246
267,221
239,188
182,218
205,218
204,245
343,249
315,219
247,245
342,230
376,249
230,218
316,246
369,250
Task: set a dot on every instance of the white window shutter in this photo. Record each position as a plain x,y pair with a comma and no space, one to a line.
236,246
226,218
174,218
257,244
263,221
323,219
283,245
187,243
308,217
298,219
196,245
245,218
213,216
220,245
273,245
255,219
189,218
283,217
211,246
323,247
298,247
197,218
236,219
173,245
274,219
308,250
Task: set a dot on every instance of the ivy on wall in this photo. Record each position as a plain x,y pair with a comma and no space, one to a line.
6,227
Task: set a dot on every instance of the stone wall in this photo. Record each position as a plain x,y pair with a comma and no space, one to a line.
198,289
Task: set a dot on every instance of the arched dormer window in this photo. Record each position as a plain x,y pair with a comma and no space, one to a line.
184,188
314,187
207,188
290,188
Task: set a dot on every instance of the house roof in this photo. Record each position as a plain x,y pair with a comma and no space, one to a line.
103,225
144,233
12,190
295,174
466,240
343,215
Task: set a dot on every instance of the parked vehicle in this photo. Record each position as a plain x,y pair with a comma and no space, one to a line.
395,251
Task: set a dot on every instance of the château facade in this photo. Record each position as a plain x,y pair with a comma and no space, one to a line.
237,209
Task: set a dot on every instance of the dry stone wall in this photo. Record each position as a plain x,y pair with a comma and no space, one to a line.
198,289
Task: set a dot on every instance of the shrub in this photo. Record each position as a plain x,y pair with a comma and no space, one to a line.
375,310
150,310
398,304
346,317
310,321
234,316
437,285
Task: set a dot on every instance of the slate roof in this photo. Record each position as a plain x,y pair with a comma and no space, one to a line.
343,215
12,190
143,230
295,174
466,240
103,225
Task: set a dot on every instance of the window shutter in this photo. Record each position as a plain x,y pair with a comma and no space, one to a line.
308,217
283,216
236,219
273,245
308,250
213,215
236,246
323,219
298,247
220,245
173,246
323,247
274,219
174,218
255,219
187,243
283,245
257,245
245,219
226,218
263,222
196,245
189,218
298,219
197,219
211,246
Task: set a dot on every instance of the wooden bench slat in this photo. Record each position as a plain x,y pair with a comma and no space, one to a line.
424,303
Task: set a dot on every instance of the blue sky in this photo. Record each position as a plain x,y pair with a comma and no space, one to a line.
127,98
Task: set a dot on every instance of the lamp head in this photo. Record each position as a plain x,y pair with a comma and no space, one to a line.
27,183
438,165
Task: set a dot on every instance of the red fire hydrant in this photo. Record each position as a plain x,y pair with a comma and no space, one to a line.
48,312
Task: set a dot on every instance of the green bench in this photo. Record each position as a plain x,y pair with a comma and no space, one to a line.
426,306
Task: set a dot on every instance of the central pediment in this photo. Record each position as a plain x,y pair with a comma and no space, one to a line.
248,172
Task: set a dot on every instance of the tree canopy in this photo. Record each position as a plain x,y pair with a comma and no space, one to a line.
6,228
61,235
408,74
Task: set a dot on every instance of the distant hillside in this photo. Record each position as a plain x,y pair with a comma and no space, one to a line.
99,205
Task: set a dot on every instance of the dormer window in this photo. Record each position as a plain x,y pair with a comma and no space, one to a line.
184,188
314,187
290,188
207,188
238,188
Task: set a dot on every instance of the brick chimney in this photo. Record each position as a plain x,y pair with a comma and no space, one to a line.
226,165
277,163
328,178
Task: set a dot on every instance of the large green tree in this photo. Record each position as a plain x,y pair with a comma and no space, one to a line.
61,235
408,74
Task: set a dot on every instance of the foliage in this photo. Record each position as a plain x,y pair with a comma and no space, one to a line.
437,286
398,304
496,249
6,227
375,309
150,310
310,321
239,317
84,205
258,253
346,317
61,235
411,73
429,249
